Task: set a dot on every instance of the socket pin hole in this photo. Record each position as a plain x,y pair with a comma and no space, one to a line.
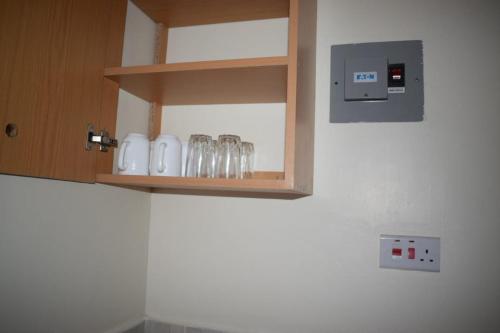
412,241
421,259
426,251
397,240
432,260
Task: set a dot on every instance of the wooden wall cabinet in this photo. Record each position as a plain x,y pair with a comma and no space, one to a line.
52,55
51,122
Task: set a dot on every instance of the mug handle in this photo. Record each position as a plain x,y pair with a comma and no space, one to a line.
162,162
122,165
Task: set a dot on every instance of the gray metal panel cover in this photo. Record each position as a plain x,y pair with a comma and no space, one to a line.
357,88
399,107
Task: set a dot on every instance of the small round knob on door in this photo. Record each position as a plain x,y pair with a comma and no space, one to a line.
11,130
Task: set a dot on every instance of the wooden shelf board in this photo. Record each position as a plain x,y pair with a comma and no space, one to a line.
179,13
254,80
206,185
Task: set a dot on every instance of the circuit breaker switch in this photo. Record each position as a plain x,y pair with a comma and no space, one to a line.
396,76
366,79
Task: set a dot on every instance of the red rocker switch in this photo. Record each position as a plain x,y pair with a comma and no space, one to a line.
396,252
411,253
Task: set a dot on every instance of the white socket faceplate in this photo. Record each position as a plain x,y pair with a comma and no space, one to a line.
396,252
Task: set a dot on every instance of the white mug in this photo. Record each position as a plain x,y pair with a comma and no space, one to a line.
133,158
167,153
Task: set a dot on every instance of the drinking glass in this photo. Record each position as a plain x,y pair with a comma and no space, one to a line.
198,148
228,156
247,160
211,158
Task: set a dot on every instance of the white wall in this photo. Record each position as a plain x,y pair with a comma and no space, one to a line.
310,265
73,256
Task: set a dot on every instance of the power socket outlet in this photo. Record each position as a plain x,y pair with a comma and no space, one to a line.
410,252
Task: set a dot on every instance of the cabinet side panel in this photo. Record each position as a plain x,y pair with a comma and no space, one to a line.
111,89
305,107
291,99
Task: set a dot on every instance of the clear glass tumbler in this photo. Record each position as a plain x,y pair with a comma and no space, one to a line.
211,158
228,156
198,148
247,160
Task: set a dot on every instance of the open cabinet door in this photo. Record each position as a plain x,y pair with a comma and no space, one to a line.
52,58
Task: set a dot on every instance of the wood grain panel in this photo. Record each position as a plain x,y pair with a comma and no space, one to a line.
291,102
10,32
286,195
155,117
306,97
156,109
53,85
179,13
111,89
257,80
161,42
265,185
299,128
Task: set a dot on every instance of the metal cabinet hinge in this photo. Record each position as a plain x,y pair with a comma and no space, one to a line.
101,138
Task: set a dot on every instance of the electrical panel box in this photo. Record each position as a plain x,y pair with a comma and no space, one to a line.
377,82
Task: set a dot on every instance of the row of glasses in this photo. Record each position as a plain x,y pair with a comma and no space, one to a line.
227,157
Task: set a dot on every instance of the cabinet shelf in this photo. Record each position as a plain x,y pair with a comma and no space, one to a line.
264,183
181,13
253,80
288,79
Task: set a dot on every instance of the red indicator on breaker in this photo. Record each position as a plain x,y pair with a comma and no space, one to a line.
396,75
